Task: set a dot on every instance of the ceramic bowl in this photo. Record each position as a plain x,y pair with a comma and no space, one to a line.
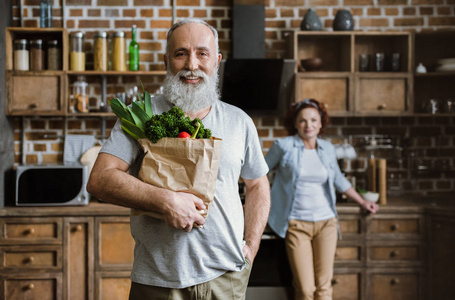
311,64
370,196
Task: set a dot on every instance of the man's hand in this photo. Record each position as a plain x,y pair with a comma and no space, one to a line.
183,211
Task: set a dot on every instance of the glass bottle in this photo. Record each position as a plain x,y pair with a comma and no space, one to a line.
21,55
54,55
77,54
118,52
36,55
79,98
100,59
134,51
46,13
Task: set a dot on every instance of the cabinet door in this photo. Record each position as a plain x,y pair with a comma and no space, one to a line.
347,284
39,286
78,258
442,258
386,284
112,285
114,243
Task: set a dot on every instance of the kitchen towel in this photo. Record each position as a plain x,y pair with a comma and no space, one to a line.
76,145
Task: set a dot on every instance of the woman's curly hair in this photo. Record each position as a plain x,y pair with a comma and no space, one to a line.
294,110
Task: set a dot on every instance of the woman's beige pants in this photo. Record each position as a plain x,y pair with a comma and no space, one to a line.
310,247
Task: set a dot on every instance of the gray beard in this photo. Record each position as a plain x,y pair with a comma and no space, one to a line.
191,97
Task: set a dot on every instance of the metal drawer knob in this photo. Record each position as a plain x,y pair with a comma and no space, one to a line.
31,286
395,281
395,227
30,231
335,281
394,253
30,260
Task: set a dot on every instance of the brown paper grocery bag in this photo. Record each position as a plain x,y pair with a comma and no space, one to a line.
181,165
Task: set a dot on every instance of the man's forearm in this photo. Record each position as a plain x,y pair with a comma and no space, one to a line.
257,208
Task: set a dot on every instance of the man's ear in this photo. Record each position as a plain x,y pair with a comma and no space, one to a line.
219,59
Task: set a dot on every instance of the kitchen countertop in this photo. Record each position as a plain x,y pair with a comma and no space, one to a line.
410,203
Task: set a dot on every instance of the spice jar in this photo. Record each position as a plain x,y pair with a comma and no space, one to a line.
36,55
119,52
79,98
100,52
21,55
54,55
77,54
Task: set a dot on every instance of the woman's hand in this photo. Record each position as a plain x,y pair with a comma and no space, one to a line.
370,206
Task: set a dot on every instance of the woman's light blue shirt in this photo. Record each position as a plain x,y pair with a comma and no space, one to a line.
285,154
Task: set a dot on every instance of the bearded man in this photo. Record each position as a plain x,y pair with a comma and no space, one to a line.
171,259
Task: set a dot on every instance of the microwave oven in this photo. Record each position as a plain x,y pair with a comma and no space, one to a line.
51,185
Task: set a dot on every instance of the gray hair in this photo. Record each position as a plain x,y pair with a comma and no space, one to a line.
189,21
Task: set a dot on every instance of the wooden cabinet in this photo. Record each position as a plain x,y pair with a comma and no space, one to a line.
341,86
65,253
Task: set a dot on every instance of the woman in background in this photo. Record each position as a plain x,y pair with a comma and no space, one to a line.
303,199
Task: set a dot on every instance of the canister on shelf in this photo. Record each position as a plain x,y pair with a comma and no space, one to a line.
119,52
54,55
77,54
100,59
21,55
36,55
79,99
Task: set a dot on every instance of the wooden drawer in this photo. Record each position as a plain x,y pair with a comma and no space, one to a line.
112,285
28,257
31,287
396,226
31,231
350,226
347,285
115,245
394,286
348,254
394,254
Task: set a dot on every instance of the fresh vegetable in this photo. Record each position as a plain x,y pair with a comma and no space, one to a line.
184,135
139,121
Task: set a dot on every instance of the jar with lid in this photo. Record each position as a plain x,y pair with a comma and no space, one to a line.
21,55
79,98
119,52
77,54
100,58
54,55
36,55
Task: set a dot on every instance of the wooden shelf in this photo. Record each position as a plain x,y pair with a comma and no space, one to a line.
118,73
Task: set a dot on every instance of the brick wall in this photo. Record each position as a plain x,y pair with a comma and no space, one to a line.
423,159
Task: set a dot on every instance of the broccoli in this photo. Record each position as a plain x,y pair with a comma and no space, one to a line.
171,123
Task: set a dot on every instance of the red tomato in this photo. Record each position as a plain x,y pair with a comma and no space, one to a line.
184,135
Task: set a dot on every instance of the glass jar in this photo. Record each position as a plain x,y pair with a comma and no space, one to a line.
79,99
119,52
36,55
54,55
21,55
100,58
77,54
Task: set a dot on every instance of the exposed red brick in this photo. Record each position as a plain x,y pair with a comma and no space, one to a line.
149,2
218,13
200,13
39,147
295,23
188,3
427,2
268,121
30,23
218,3
129,23
391,11
162,35
160,24
286,13
56,124
44,135
37,124
357,12
74,124
75,13
129,12
444,10
275,24
94,12
57,147
31,158
165,13
357,2
442,21
270,13
284,3
370,22
374,11
324,2
112,2
94,24
147,13
78,2
392,2
70,24
408,22
270,35
153,46
409,11
183,13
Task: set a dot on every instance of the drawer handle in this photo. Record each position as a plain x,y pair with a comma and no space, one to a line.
30,260
394,253
395,227
335,281
77,228
395,281
382,106
30,231
31,286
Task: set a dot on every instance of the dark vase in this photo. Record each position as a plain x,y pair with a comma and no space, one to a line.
343,21
311,21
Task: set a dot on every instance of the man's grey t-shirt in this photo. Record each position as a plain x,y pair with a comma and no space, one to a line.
169,257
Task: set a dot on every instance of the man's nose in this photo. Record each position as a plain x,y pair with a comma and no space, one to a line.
192,62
